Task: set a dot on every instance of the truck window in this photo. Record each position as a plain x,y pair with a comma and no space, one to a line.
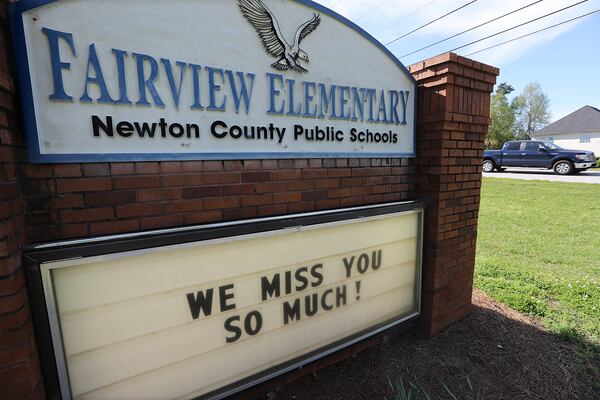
513,146
532,146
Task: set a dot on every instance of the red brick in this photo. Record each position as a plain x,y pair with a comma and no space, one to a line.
334,193
201,191
67,170
158,194
301,185
300,163
109,198
391,197
136,182
256,176
449,158
37,171
16,355
112,227
286,174
257,200
301,206
213,166
351,201
269,164
339,172
15,320
252,165
13,302
163,221
87,215
232,165
327,183
373,180
225,177
314,173
8,190
285,164
182,180
12,284
147,167
68,201
276,209
328,203
287,197
100,169
7,154
192,166
329,163
361,190
244,188
10,339
183,206
6,228
221,202
138,210
270,187
240,213
20,380
83,185
171,167
122,168
203,217
315,163
68,231
346,182
314,195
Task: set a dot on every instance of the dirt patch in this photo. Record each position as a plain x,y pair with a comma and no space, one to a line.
495,353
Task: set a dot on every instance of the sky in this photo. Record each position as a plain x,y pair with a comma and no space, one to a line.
564,60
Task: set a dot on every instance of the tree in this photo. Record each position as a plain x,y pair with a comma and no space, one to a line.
532,108
503,118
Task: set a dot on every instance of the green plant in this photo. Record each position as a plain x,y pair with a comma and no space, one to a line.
535,254
409,391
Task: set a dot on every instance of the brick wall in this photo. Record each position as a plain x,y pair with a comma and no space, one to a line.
50,202
453,118
78,200
19,365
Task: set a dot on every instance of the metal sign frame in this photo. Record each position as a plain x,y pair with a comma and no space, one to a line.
41,259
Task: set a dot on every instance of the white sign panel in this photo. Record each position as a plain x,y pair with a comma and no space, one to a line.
206,79
185,320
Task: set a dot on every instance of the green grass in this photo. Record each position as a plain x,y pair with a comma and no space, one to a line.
538,250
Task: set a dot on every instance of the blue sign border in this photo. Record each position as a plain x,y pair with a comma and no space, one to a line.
31,134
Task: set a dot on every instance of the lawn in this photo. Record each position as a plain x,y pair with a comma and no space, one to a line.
538,251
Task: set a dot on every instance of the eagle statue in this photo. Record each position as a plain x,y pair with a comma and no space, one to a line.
267,27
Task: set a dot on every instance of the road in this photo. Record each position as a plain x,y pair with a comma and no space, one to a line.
592,176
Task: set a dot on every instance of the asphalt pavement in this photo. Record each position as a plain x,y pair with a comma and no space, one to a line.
590,176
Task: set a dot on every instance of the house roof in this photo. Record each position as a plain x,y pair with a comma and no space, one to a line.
586,119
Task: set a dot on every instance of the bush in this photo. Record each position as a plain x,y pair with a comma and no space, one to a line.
597,162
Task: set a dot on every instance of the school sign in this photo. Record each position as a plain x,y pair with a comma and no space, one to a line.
205,195
162,80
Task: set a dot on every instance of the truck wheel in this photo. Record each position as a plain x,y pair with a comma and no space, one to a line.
563,167
488,165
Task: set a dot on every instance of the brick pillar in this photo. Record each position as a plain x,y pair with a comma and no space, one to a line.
19,364
453,118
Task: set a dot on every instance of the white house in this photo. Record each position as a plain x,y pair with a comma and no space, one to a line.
579,130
